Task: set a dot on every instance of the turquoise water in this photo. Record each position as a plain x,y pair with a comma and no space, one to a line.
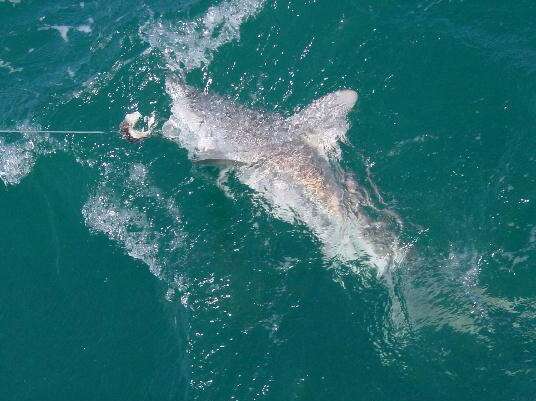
127,273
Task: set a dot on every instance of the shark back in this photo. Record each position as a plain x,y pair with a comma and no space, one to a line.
210,126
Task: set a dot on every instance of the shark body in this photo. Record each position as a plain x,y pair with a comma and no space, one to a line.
291,161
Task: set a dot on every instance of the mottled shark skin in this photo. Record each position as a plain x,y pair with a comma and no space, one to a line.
292,162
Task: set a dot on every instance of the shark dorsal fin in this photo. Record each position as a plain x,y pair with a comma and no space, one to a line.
324,122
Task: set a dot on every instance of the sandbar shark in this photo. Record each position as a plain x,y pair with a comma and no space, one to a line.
292,162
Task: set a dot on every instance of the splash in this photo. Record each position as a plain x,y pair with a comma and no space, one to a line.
128,226
122,213
16,162
187,45
17,158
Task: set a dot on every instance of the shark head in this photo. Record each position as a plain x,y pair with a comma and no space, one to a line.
293,162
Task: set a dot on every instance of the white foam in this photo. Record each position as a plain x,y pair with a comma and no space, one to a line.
126,225
17,158
191,44
126,207
16,162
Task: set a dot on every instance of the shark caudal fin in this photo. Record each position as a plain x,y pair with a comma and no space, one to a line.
324,122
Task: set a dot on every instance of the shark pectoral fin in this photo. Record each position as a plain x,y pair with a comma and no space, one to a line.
334,105
342,100
324,122
220,163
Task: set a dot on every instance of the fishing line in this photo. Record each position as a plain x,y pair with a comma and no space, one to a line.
18,131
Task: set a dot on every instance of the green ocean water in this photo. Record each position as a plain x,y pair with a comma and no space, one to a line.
127,273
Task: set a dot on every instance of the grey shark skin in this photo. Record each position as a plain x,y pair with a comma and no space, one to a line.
292,162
